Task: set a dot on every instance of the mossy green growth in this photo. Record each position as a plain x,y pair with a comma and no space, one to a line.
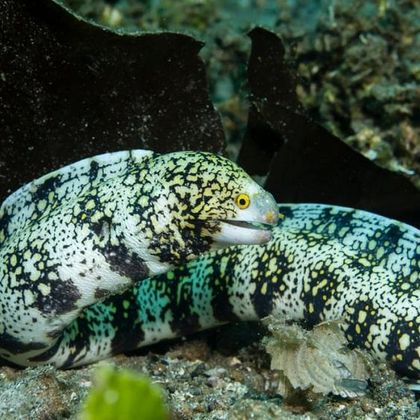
123,394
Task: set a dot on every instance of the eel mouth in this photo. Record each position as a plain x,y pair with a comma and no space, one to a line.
249,225
241,232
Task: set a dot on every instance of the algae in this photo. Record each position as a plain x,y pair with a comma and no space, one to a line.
358,62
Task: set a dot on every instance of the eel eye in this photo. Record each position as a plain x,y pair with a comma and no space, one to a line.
243,201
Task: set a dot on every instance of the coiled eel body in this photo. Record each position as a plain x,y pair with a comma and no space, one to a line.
92,229
323,263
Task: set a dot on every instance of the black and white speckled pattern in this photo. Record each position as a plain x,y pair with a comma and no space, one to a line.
89,230
324,263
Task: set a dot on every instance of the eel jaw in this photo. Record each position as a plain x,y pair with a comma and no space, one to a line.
242,232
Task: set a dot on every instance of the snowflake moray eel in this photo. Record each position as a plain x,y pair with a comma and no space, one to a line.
91,229
324,263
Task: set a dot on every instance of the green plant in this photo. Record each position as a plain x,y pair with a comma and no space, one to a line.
123,394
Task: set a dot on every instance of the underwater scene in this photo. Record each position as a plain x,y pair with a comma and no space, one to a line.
209,209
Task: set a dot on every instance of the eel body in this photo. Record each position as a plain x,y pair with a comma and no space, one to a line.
323,263
92,229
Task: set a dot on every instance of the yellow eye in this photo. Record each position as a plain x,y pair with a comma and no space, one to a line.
243,201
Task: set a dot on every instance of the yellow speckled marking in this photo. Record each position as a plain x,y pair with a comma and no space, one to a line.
404,341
